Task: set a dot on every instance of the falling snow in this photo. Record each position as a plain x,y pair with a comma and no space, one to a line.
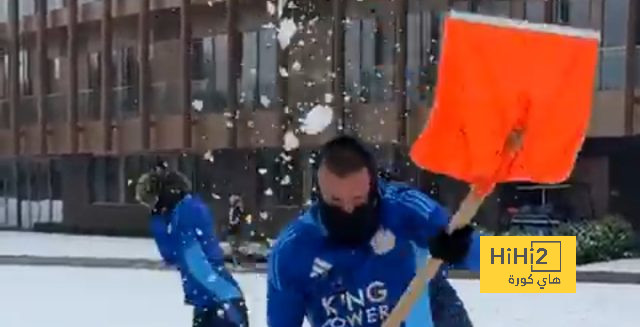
284,72
271,8
265,101
286,31
268,192
317,120
291,141
262,171
208,156
197,105
286,180
328,97
296,66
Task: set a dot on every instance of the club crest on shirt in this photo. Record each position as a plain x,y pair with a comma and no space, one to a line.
383,241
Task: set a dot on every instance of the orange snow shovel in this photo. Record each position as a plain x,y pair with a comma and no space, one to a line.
513,103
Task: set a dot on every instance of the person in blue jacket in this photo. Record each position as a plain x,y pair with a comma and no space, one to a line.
182,226
348,259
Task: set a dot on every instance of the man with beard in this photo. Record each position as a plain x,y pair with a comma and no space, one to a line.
348,259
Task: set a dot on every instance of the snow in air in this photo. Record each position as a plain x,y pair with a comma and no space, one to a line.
317,120
286,31
265,101
291,141
197,105
208,156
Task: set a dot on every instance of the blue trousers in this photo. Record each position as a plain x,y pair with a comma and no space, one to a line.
228,314
447,309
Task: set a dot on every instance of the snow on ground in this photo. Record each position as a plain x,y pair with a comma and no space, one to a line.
70,297
75,246
622,266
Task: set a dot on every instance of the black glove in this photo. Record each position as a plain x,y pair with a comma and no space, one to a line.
452,248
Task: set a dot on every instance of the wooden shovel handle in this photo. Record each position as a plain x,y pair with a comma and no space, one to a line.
467,210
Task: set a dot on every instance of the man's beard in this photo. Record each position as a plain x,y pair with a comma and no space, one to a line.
351,229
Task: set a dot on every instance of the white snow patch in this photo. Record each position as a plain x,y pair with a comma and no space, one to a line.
271,8
286,31
90,290
328,97
265,101
262,171
286,180
268,192
208,156
284,72
296,66
317,120
291,141
197,105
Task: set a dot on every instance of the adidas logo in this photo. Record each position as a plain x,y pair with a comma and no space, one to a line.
319,268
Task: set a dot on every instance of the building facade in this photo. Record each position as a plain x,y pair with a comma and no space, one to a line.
94,93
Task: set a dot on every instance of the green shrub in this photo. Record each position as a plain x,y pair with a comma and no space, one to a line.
600,240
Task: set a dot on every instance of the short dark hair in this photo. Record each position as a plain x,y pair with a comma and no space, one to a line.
345,155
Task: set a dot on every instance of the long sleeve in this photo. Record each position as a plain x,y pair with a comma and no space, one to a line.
285,299
426,218
197,248
158,226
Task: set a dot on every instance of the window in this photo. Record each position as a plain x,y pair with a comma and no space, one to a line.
422,49
93,63
462,5
369,58
535,11
126,80
249,69
561,11
579,13
25,72
54,81
495,8
281,173
4,74
259,69
106,179
615,23
268,68
221,66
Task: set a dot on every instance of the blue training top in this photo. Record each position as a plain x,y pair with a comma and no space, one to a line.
185,240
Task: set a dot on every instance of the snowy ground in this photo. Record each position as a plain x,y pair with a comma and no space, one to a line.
70,297
78,246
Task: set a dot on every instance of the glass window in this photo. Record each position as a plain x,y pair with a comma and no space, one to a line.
267,68
248,94
461,5
615,23
422,48
25,71
495,8
105,182
27,7
221,70
579,13
535,11
352,58
4,10
55,4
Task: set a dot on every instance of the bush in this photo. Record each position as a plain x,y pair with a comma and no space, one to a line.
601,240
